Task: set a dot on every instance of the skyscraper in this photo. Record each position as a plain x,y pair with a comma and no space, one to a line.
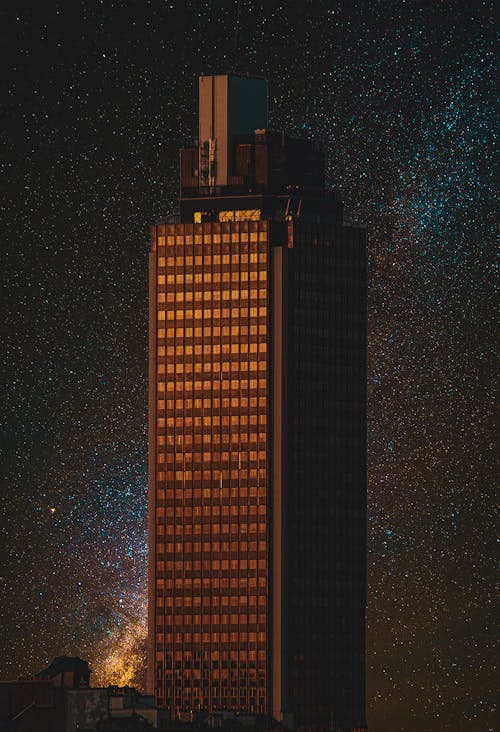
257,424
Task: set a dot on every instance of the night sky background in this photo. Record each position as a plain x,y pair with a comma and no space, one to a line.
96,103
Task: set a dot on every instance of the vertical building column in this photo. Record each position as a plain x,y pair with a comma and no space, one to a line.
278,600
151,674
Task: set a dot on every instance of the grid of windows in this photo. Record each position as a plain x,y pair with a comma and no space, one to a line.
211,465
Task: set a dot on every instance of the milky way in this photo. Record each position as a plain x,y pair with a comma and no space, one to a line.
97,106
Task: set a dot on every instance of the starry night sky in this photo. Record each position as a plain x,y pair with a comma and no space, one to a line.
97,102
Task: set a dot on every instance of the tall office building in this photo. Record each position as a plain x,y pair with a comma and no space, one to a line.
257,428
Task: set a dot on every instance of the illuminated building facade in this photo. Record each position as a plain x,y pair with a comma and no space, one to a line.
257,423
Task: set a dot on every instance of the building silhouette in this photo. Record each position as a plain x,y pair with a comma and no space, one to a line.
60,699
257,424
